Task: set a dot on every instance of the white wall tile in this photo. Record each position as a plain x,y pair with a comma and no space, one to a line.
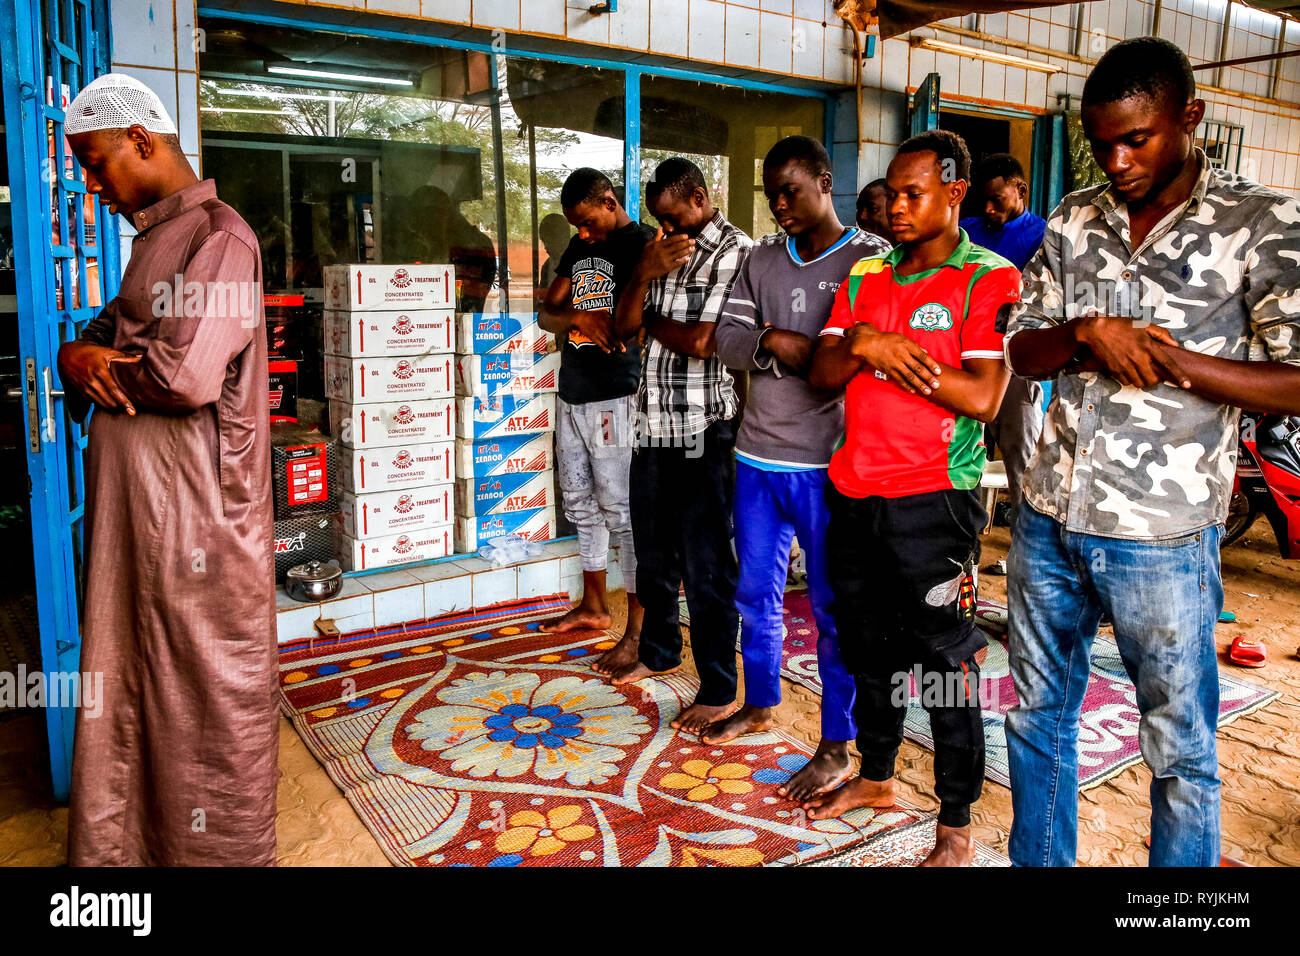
297,624
810,9
187,37
775,50
582,25
920,65
399,605
893,54
448,595
995,81
837,55
496,13
970,77
494,587
187,111
353,598
669,31
708,27
451,11
1036,90
542,16
1017,27
806,48
144,33
405,8
742,36
630,27
1039,32
785,7
538,578
351,623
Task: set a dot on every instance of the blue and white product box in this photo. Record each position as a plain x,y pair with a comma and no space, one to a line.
392,512
393,423
394,549
380,334
507,455
481,333
367,470
478,418
474,532
504,494
413,378
506,373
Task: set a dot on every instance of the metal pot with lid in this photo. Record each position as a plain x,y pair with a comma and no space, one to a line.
313,581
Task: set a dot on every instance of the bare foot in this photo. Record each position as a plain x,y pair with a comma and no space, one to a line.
619,656
952,847
829,767
635,671
747,720
579,616
697,717
858,792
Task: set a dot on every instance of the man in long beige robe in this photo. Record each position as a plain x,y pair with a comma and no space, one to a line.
179,608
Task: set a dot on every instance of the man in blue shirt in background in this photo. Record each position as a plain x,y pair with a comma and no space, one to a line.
1015,233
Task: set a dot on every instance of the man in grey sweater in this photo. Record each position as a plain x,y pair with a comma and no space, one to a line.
780,303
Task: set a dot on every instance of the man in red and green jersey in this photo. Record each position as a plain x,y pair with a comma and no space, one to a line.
913,339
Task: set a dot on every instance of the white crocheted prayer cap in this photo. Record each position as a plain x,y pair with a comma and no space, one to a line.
116,101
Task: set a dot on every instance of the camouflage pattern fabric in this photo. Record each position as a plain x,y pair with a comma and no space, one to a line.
1222,274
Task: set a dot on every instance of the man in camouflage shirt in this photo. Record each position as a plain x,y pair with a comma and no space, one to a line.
1162,303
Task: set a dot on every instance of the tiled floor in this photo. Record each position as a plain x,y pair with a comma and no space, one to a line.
412,594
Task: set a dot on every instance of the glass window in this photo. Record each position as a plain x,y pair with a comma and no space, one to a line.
726,131
344,149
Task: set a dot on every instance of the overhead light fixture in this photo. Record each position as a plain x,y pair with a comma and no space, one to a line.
281,70
1006,59
275,94
220,109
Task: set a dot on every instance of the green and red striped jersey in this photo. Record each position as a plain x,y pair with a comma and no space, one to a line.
896,443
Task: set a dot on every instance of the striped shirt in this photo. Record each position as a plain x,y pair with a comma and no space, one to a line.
679,395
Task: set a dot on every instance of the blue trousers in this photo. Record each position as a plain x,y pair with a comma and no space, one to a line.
1164,597
771,507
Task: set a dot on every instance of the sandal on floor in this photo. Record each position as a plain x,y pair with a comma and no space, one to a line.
1246,653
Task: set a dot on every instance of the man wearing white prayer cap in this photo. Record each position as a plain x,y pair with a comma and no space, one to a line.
179,767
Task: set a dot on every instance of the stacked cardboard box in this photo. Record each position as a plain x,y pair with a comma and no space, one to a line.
506,376
389,376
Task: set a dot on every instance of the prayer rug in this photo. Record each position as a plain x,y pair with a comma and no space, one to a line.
906,845
1108,723
500,747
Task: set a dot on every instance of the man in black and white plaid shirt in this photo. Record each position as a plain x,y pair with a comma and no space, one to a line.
683,470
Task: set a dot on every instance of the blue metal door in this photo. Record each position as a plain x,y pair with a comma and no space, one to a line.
925,105
66,260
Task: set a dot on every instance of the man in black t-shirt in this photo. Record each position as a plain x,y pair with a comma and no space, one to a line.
594,432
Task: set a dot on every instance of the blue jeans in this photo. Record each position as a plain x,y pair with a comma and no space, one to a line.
1164,598
772,507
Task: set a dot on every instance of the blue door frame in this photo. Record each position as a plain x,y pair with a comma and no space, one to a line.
44,45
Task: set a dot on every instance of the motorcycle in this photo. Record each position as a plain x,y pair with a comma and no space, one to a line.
1267,481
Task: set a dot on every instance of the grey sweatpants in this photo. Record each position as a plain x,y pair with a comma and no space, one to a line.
1015,432
593,452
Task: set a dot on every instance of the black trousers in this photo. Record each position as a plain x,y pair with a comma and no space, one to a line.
681,527
902,574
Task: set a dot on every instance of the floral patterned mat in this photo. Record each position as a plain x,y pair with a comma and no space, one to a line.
500,747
